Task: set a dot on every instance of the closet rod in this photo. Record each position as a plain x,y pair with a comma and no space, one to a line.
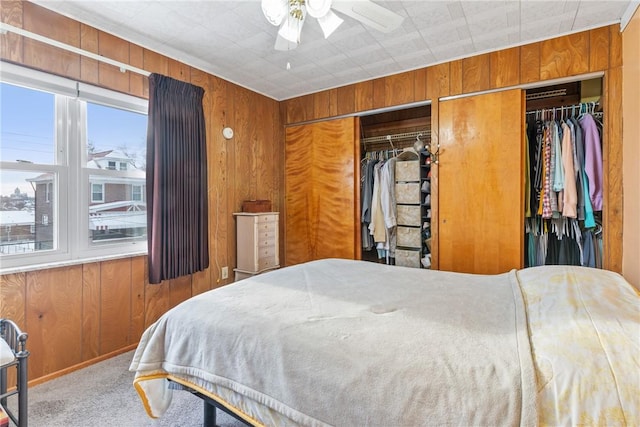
121,65
395,136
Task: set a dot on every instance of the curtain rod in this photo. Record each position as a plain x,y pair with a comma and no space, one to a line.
121,65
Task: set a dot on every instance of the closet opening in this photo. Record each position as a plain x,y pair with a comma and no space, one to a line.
564,174
395,187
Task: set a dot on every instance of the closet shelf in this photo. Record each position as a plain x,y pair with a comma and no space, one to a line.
391,139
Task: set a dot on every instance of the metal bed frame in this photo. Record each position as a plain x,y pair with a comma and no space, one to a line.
209,404
17,340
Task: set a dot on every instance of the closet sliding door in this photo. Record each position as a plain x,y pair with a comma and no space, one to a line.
480,183
322,192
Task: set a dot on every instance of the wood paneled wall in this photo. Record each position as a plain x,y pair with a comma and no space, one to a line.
571,55
79,314
597,50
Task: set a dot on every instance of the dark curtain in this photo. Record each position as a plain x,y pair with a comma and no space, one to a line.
177,213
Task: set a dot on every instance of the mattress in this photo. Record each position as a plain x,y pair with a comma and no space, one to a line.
341,342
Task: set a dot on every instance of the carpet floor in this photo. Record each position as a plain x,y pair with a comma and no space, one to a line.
103,395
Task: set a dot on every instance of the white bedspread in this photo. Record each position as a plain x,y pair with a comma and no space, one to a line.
350,343
584,328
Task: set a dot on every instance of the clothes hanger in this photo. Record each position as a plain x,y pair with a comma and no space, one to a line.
598,230
390,142
419,144
593,114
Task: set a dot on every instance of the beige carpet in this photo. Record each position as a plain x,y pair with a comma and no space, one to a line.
103,395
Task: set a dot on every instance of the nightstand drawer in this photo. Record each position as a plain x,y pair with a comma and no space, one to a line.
264,242
264,228
267,218
267,257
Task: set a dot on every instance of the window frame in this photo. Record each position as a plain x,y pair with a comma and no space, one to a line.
71,186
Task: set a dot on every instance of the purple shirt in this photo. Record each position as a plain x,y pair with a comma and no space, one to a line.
592,160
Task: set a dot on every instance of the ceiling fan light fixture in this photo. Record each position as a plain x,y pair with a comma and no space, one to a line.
275,11
291,22
291,28
329,23
318,8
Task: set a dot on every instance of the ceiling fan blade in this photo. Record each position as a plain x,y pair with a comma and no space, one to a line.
329,23
369,13
284,44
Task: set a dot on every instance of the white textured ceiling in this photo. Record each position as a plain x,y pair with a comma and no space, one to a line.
232,39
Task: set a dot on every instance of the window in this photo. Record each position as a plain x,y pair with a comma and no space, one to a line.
117,218
67,172
97,193
136,193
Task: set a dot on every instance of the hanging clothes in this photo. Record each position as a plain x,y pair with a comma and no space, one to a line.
527,176
388,203
592,160
564,158
378,201
366,196
570,194
547,209
376,227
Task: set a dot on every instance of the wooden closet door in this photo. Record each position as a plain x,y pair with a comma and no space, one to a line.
480,183
322,191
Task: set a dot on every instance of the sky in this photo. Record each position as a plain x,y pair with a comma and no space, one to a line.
27,132
27,123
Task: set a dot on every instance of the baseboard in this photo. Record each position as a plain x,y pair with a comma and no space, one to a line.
82,365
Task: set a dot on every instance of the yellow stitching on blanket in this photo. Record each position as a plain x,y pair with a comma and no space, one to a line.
143,395
217,398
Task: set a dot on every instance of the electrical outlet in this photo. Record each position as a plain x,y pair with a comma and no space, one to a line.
225,272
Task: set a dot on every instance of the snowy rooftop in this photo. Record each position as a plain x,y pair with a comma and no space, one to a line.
17,217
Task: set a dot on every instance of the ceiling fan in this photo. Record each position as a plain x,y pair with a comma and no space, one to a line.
290,16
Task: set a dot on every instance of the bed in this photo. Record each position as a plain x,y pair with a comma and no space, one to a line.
339,342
